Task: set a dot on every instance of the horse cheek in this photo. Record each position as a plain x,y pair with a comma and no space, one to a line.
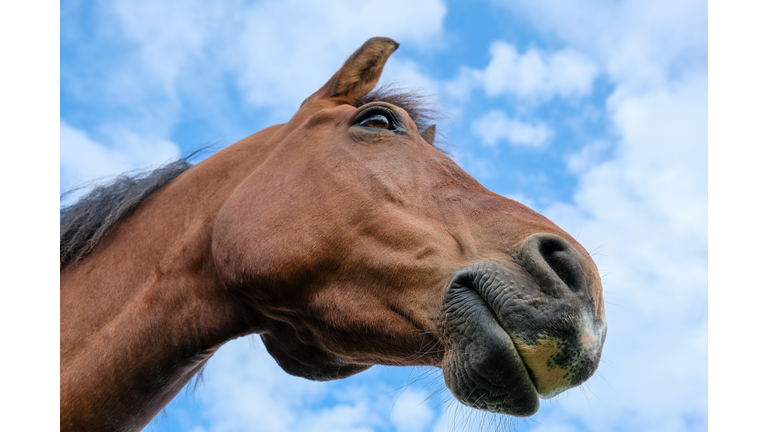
267,251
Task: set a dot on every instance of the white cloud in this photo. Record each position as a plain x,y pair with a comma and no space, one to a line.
587,157
639,43
168,36
534,76
495,126
343,418
457,417
460,88
537,75
411,413
407,74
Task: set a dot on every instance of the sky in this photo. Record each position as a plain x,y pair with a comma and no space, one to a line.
593,113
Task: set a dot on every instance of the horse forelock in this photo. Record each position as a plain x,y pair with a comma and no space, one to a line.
417,105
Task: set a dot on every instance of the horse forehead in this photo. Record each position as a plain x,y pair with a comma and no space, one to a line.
332,111
320,113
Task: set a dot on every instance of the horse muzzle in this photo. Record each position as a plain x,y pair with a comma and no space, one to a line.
516,334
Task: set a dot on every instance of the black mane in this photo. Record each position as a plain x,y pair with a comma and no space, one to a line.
87,221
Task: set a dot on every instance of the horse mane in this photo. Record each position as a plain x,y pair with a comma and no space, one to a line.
84,223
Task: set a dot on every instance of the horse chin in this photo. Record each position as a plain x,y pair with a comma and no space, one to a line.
327,371
509,345
310,362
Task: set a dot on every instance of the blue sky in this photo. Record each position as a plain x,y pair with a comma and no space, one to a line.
592,112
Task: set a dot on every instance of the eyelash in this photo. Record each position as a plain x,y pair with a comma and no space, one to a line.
374,111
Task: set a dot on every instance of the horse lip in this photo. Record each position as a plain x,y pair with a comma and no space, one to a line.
528,372
484,355
497,322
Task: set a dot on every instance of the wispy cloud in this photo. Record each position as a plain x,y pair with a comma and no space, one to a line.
587,157
495,126
534,74
83,159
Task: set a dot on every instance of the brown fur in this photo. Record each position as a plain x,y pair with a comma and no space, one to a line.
333,242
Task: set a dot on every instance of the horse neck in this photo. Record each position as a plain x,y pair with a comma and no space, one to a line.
143,312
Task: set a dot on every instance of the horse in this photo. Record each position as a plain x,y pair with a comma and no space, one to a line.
344,238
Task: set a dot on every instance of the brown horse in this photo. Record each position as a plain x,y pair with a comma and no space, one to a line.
345,239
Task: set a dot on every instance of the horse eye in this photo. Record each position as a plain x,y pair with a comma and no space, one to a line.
376,121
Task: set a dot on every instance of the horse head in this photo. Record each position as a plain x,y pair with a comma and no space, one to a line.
353,241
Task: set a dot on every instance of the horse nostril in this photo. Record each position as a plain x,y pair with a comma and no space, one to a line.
553,264
563,261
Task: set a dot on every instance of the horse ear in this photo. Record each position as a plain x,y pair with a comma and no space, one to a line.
360,72
429,134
